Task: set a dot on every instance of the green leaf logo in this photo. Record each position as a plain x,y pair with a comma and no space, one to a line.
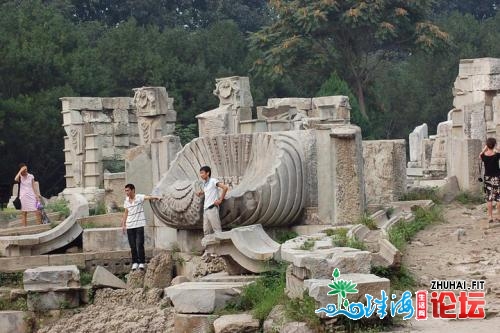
341,288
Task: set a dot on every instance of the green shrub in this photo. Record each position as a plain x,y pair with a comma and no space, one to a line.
262,295
368,221
283,236
427,193
466,197
115,165
401,278
14,279
303,310
340,239
60,206
307,245
99,209
403,231
18,305
85,278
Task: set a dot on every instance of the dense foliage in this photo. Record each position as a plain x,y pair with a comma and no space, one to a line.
396,60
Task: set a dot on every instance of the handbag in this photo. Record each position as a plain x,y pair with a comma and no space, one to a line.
17,201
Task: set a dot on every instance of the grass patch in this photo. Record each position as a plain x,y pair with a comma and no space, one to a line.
284,235
340,239
427,193
99,209
401,278
368,221
11,279
85,278
18,305
469,198
303,310
60,206
262,295
307,245
403,231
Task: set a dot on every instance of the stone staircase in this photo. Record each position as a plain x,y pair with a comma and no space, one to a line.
16,228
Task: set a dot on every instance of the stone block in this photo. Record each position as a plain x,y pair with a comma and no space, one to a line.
236,323
46,278
296,327
202,297
479,66
278,125
72,117
323,258
151,101
81,103
103,278
178,280
225,277
296,102
14,321
189,240
117,103
193,323
111,239
415,139
459,101
330,107
53,300
253,126
164,237
366,284
463,84
384,170
294,286
486,82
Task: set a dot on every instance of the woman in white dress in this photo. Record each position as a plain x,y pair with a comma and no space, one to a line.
27,194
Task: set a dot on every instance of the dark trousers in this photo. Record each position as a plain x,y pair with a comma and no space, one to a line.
136,242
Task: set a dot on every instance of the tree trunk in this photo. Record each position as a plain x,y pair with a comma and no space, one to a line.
361,99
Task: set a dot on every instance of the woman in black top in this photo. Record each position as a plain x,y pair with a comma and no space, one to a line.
490,158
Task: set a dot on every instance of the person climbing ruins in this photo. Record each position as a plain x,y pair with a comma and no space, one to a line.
134,221
490,158
27,194
211,219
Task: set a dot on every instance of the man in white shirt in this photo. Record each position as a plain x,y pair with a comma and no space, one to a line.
133,223
211,219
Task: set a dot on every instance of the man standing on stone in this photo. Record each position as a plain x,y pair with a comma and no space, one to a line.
134,221
211,219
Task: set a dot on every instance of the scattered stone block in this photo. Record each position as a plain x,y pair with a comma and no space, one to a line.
53,300
296,327
103,278
275,320
159,271
85,294
225,277
236,323
294,285
202,297
46,278
15,294
178,280
14,321
193,323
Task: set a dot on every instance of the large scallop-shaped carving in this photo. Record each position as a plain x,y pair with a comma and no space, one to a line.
265,173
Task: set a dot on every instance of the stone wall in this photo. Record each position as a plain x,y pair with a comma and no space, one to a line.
384,170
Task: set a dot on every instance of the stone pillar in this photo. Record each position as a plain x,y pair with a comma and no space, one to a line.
235,105
464,163
341,196
416,139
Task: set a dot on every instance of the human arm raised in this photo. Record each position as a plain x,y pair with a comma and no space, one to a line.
224,188
18,176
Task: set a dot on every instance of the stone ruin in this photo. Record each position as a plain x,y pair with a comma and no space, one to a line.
453,151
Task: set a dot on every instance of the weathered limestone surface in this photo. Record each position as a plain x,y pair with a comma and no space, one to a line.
193,323
14,321
384,170
202,297
416,138
53,300
296,327
320,261
111,239
47,278
236,323
103,278
249,246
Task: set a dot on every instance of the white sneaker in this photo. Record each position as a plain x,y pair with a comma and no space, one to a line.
135,266
142,266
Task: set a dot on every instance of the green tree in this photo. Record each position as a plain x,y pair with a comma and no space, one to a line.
353,37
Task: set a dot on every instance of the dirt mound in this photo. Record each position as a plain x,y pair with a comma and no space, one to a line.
124,311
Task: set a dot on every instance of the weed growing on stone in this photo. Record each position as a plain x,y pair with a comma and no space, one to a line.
99,209
283,236
401,278
85,278
303,310
367,221
60,206
14,279
307,245
427,193
262,295
469,198
17,305
340,239
404,231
